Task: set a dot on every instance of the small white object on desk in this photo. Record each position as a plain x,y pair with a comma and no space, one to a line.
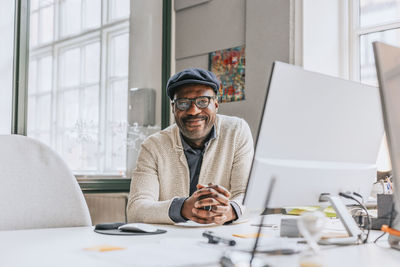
138,227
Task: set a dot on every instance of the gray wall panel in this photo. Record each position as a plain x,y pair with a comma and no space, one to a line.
262,25
208,27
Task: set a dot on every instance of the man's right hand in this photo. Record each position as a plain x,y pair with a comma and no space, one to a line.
199,215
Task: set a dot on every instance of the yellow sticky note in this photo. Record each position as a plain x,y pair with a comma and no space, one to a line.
251,235
103,248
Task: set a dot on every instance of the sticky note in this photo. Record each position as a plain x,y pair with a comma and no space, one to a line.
250,235
103,248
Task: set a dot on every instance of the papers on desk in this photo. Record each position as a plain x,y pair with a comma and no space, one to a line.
168,252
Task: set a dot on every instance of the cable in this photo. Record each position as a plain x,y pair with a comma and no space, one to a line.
358,195
366,211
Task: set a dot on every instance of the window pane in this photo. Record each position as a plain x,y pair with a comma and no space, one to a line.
71,17
119,9
45,74
70,108
92,63
118,125
34,4
120,55
367,62
90,153
32,83
46,2
43,112
46,24
6,64
70,67
373,12
33,33
31,115
92,14
90,108
70,150
119,97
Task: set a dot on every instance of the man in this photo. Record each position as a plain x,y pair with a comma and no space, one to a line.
196,169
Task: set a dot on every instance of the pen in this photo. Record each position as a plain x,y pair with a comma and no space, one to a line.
213,239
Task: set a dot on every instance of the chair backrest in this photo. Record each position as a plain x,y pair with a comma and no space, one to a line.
37,189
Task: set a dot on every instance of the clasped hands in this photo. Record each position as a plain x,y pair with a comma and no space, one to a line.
212,195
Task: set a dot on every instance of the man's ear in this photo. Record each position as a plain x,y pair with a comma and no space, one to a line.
216,104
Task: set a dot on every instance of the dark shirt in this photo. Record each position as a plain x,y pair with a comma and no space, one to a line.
194,159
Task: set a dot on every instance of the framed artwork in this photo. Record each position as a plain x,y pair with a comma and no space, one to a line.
229,66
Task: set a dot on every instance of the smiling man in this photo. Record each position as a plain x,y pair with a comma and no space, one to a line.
196,169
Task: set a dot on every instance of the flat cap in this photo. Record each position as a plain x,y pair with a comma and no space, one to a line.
192,76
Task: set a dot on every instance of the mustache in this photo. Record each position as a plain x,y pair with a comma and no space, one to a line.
197,117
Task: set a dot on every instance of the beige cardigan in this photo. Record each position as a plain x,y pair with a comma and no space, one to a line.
162,172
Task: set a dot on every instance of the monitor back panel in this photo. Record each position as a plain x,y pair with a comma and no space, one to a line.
387,60
318,134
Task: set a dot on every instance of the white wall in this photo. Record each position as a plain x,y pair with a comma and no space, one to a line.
145,55
322,37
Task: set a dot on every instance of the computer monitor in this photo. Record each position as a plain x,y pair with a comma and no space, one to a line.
318,134
387,60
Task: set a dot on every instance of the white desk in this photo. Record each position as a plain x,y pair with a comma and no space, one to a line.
65,247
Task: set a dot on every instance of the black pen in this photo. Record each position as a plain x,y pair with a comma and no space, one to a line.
213,239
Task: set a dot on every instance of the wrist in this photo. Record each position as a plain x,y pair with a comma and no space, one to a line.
184,211
232,214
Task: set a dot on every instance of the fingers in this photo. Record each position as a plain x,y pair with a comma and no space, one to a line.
220,189
206,202
204,194
220,209
219,219
203,214
200,186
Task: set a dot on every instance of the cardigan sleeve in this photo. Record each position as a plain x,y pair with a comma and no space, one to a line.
143,204
242,161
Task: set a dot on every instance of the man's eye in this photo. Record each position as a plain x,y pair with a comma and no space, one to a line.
202,102
183,102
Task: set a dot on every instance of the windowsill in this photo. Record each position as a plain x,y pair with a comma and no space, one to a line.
103,184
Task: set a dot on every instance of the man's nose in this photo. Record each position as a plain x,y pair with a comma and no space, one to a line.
193,109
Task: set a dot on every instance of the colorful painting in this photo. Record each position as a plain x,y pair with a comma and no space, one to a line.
229,66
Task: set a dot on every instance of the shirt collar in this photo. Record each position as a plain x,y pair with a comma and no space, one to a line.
212,135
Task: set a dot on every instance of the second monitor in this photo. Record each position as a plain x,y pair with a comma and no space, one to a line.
318,134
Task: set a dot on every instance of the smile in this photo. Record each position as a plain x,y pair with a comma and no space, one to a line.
194,122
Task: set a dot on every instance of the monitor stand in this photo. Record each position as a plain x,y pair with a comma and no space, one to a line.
347,220
394,241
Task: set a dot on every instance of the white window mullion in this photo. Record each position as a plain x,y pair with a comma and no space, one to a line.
354,41
103,101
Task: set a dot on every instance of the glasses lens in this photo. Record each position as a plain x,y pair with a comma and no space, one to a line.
202,102
183,104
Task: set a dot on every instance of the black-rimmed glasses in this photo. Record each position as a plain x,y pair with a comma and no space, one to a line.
185,103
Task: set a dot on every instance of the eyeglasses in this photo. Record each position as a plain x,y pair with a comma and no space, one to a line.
185,103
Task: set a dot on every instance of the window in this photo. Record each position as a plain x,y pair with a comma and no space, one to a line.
373,20
78,81
6,64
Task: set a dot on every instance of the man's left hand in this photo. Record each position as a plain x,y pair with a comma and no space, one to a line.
217,197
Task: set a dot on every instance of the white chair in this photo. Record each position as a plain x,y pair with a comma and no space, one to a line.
37,189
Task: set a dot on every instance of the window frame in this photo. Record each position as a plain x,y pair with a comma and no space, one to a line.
356,31
88,184
102,34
